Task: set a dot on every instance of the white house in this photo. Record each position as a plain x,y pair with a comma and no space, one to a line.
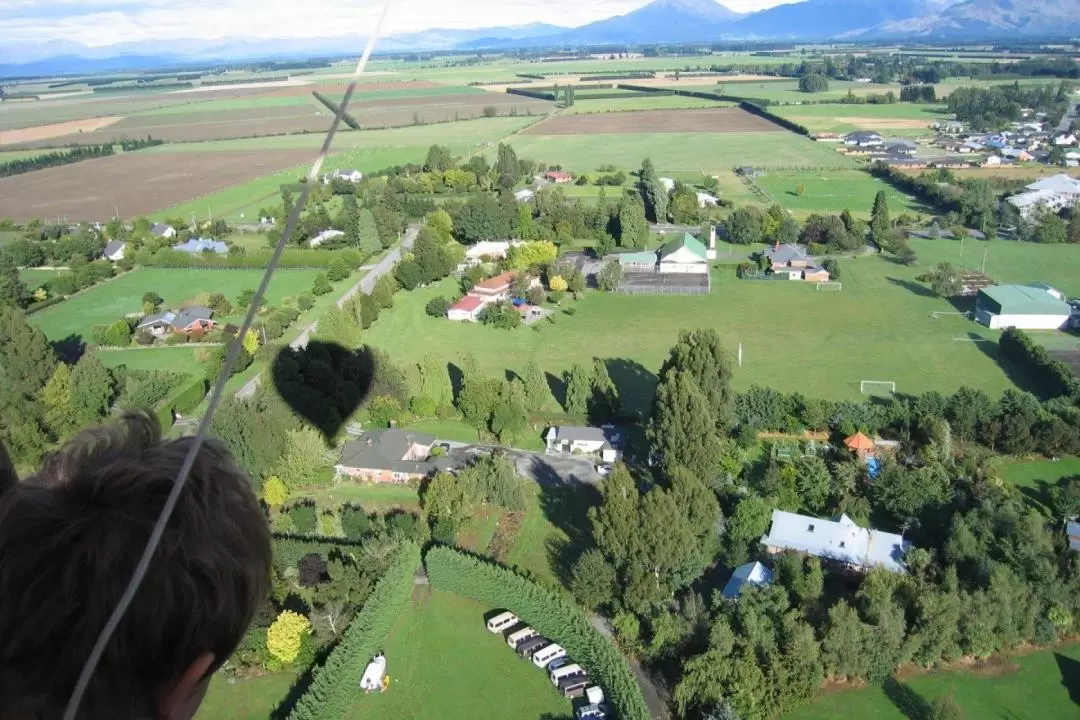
1068,139
524,195
114,250
1053,193
668,184
705,199
162,230
490,249
840,540
686,255
350,175
1029,307
467,309
864,139
324,236
585,440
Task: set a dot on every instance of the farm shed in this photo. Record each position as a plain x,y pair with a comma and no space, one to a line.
1028,307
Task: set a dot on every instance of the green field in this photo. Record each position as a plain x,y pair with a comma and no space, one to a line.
34,278
1035,478
889,120
371,497
583,105
705,152
443,663
112,300
833,192
1008,261
174,359
245,698
11,155
1039,686
787,91
878,327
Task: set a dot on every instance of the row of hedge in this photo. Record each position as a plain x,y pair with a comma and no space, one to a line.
335,685
1053,377
549,613
289,548
702,94
185,399
291,259
783,122
142,88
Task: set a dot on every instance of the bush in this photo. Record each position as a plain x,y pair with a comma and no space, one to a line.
176,339
321,285
335,685
338,270
305,302
355,522
501,315
437,307
303,517
1053,377
549,613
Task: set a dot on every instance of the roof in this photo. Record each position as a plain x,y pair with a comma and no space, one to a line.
386,450
160,228
202,244
164,318
687,241
1072,529
1024,300
785,253
859,441
469,303
840,540
1034,197
490,247
1060,183
114,246
576,432
189,315
754,574
496,283
643,257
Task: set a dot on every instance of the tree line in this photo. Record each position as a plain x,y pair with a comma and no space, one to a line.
54,159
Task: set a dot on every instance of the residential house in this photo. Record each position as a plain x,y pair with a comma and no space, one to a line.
787,256
162,230
685,255
949,127
1053,193
1016,154
558,177
193,320
489,250
601,441
642,261
992,161
390,456
1067,139
350,175
114,250
864,139
325,235
1029,307
668,183
752,574
829,137
705,199
201,245
1072,530
897,148
839,540
467,309
524,195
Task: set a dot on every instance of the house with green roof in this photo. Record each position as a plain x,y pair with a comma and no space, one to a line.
687,255
1037,306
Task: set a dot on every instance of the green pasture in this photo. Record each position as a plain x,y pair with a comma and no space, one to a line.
788,91
12,155
370,497
837,118
834,191
711,153
1036,477
1007,261
878,327
410,93
583,105
253,698
34,278
476,531
443,663
112,300
1037,686
181,359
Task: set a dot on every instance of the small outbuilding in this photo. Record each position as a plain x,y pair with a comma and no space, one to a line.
753,574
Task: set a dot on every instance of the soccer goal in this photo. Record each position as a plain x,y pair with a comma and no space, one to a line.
830,285
889,384
943,313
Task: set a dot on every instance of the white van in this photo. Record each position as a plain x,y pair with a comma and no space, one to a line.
501,621
564,671
551,652
518,636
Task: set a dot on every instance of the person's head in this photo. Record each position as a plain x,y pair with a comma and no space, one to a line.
70,537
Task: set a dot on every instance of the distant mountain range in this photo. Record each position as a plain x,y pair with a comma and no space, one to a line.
661,21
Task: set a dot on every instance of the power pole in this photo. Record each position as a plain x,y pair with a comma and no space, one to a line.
983,270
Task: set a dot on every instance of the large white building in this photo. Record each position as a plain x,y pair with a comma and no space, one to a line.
1027,307
1052,193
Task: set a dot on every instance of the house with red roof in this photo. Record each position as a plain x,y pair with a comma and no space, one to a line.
467,309
558,176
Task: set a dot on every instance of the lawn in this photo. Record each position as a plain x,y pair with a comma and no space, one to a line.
711,153
34,278
453,430
1008,261
113,299
245,699
476,531
443,663
794,338
1044,684
371,497
788,91
553,531
833,191
174,359
1036,477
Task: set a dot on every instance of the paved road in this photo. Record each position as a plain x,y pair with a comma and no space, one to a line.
366,285
1069,117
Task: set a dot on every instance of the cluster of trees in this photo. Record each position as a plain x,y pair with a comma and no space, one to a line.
813,82
918,94
994,107
140,143
448,499
54,159
969,202
887,98
1054,378
434,255
822,233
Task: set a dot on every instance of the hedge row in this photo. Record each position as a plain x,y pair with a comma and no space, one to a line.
760,111
336,683
186,398
528,92
291,259
289,548
498,587
1053,377
49,302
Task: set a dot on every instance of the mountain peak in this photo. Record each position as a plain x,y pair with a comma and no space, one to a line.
707,9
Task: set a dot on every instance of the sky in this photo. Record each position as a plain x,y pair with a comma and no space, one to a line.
107,22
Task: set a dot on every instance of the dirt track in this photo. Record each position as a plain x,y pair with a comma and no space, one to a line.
134,183
711,120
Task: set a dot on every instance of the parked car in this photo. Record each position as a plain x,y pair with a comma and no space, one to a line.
501,622
603,470
551,652
519,636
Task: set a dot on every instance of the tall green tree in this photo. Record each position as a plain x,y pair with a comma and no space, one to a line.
683,428
699,353
26,358
435,382
479,394
880,224
578,389
510,418
508,166
654,192
93,389
633,228
60,414
439,158
536,388
12,289
604,404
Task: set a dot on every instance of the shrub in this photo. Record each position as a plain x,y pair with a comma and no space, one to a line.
285,636
305,302
1053,377
549,613
355,522
321,285
338,270
176,339
303,517
437,307
501,315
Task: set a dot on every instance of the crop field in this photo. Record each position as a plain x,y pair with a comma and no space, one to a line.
1040,685
712,153
879,327
886,119
583,106
833,191
717,120
443,663
112,300
132,183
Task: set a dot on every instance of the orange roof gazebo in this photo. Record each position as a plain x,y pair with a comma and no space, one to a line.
859,443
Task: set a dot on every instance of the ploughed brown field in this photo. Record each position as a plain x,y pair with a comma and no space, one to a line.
710,120
134,183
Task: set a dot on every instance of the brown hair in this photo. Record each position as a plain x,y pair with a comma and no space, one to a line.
70,537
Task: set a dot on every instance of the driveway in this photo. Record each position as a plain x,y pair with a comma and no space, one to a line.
366,285
544,468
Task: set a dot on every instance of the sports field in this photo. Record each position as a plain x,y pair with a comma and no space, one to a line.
1038,686
443,663
1007,261
112,300
833,192
794,337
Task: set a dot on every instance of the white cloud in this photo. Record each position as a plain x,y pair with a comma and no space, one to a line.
107,22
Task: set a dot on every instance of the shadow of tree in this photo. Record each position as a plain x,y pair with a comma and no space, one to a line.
70,349
906,700
914,287
566,506
457,379
636,385
1016,374
1070,675
300,687
557,387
